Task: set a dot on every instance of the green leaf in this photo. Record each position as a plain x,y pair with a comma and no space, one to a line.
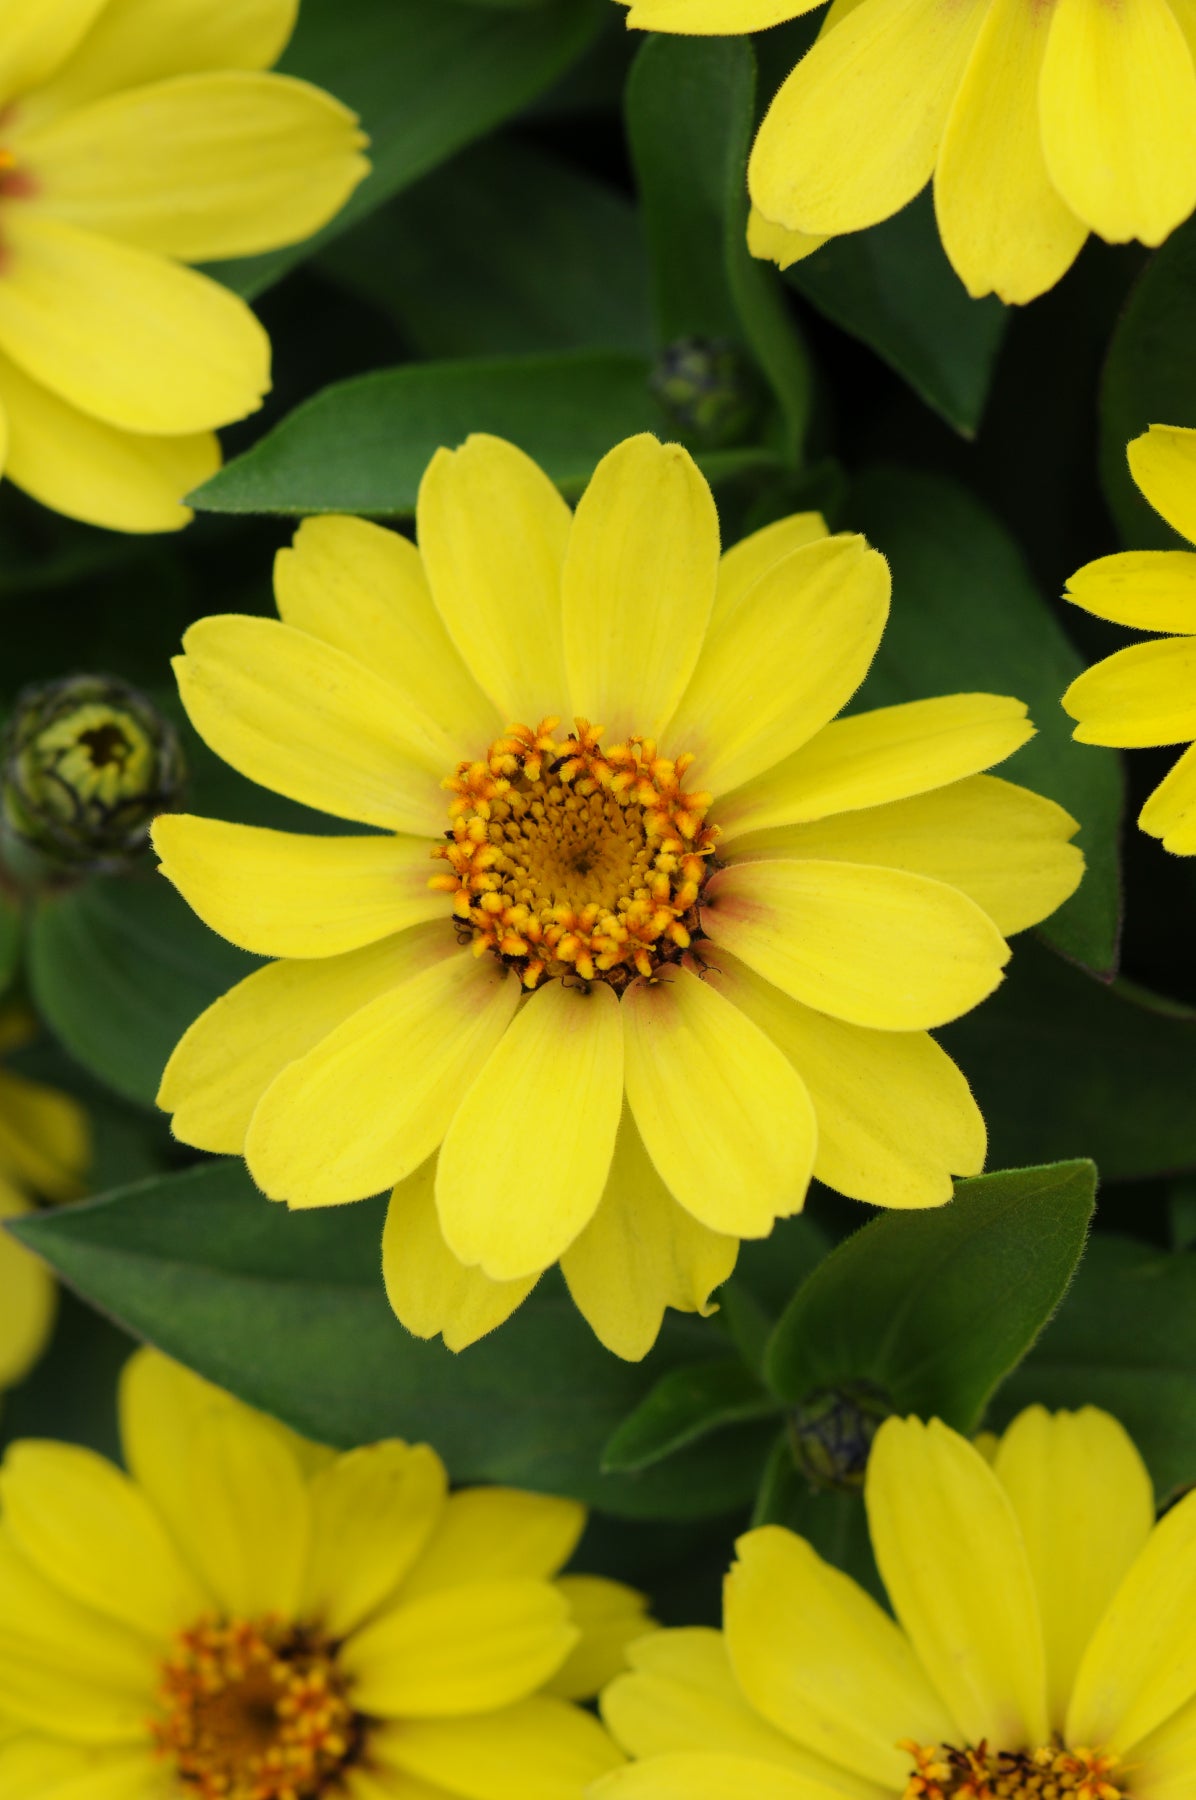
685,1405
362,446
1149,379
893,288
967,617
1125,1340
119,967
690,120
426,77
505,249
288,1311
1063,1065
11,936
936,1307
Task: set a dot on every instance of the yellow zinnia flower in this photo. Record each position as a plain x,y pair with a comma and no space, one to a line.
246,1616
1044,1646
646,939
1039,120
44,1149
137,136
1146,695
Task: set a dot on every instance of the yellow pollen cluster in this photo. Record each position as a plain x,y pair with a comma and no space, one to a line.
570,858
254,1711
1049,1773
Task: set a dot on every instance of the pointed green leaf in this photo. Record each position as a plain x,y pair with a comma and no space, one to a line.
685,1405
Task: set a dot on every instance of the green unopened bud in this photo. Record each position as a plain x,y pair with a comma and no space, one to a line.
831,1433
708,388
88,763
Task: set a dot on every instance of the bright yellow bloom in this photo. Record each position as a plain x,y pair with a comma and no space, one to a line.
1044,1646
644,939
1146,695
44,1150
247,1616
137,136
1039,121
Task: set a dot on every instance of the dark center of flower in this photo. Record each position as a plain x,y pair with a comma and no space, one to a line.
252,1710
1052,1772
570,858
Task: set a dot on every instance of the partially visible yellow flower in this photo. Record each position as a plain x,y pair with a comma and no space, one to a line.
1039,121
1043,1646
137,136
44,1150
647,935
1146,695
247,1616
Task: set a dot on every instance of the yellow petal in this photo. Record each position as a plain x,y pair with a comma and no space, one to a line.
854,132
1142,696
200,166
430,1292
683,1696
224,1480
1164,1760
1152,590
134,42
874,757
492,531
223,1064
1003,224
1170,811
538,1749
712,17
281,894
91,1532
125,335
1163,463
1003,846
517,1180
748,561
775,669
459,1650
877,947
611,1616
896,1118
95,472
45,1138
28,1297
1140,1665
362,589
66,1670
374,1098
32,1767
1117,99
772,243
373,1511
638,586
816,1657
709,1092
303,718
490,1534
38,37
953,1559
688,1777
640,1253
1085,1505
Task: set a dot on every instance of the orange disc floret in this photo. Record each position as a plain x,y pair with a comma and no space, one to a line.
1051,1772
566,857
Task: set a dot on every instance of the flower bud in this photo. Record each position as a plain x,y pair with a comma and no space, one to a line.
88,763
831,1433
708,388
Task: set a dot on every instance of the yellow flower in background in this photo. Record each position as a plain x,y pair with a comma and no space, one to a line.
646,936
1044,1644
137,136
1039,121
247,1616
44,1150
1146,695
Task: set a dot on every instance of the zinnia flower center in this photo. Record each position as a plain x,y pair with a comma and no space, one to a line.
570,858
1051,1772
254,1710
